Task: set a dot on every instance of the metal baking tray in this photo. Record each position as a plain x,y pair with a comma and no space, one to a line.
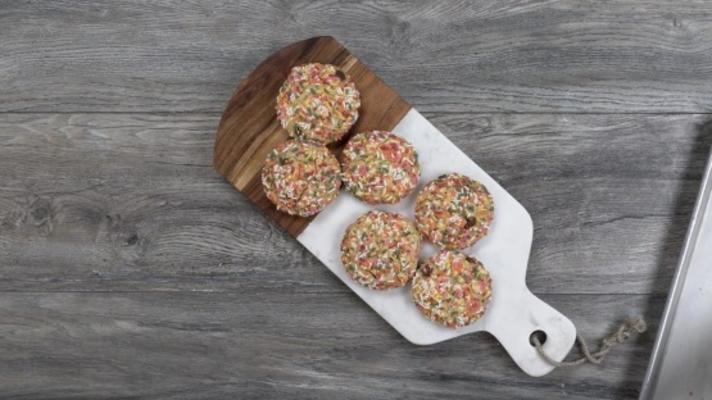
681,364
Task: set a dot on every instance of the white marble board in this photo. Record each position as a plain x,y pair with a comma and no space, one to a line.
513,312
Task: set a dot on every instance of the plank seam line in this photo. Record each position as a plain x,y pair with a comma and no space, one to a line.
427,113
297,293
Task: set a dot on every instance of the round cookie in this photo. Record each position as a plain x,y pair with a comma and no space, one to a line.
379,167
454,211
380,250
301,178
452,289
318,102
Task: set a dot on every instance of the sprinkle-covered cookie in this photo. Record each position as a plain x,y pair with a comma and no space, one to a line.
301,178
379,167
454,211
452,289
380,250
318,102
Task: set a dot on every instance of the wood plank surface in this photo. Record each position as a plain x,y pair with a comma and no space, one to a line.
131,202
249,128
452,55
130,269
271,344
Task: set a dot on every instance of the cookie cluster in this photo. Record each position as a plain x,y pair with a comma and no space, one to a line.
317,105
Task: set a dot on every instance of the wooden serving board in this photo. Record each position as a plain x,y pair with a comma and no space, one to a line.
249,130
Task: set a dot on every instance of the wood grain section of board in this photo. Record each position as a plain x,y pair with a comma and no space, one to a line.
249,128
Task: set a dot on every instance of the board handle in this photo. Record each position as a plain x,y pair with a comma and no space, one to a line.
528,316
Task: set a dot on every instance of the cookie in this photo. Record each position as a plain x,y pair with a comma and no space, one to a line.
380,250
452,289
454,211
379,167
318,102
301,178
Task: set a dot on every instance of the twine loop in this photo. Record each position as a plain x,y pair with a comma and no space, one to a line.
625,330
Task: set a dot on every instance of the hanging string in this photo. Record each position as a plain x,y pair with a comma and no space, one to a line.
624,331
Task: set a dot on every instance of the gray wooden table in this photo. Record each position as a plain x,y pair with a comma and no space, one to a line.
130,269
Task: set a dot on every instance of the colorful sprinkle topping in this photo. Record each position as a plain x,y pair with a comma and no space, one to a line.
454,211
380,250
318,102
301,178
379,167
452,289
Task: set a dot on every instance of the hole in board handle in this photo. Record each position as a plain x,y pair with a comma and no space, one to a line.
539,335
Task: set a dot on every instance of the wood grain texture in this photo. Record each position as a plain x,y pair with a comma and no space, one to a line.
131,202
130,269
249,128
273,345
453,55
